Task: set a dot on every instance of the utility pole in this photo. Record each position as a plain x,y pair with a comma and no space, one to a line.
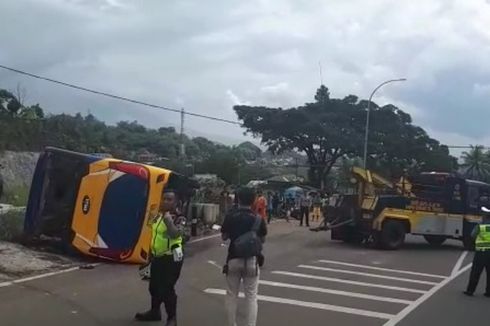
297,166
321,72
182,146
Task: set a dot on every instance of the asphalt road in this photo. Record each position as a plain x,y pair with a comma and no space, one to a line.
308,280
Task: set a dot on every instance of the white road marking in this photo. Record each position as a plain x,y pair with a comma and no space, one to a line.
215,264
314,305
380,268
204,238
27,279
335,292
4,284
459,263
344,271
402,314
338,280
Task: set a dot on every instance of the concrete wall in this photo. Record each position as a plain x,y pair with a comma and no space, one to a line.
18,167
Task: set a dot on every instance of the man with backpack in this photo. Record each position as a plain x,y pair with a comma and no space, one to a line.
246,232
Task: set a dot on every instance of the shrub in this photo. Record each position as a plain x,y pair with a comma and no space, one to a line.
11,225
16,195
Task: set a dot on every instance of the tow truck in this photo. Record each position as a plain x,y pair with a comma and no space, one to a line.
435,205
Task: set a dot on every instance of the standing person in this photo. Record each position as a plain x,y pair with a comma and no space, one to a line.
270,208
275,204
222,204
305,204
290,206
324,205
166,258
260,205
317,207
481,260
235,199
242,267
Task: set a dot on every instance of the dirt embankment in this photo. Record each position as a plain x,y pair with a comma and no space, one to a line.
18,261
18,167
16,171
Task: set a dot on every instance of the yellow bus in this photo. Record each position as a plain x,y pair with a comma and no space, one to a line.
100,206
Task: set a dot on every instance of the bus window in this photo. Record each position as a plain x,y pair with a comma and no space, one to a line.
123,212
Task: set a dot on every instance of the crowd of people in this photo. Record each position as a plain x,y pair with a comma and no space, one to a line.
302,206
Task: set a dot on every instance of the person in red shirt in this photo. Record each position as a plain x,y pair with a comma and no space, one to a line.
260,205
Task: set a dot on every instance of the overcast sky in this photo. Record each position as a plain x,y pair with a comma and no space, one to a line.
207,56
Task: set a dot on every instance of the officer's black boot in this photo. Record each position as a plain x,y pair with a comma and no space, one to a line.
154,314
171,308
171,322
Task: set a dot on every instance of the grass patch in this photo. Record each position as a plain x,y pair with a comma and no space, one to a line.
16,195
11,225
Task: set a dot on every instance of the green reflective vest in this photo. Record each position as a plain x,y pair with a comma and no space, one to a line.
483,239
161,243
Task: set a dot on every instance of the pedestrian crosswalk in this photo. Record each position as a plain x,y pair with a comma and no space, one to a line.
345,288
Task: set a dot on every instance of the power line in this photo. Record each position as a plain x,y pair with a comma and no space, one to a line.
154,106
117,97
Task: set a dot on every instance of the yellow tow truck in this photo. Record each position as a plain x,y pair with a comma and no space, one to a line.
435,205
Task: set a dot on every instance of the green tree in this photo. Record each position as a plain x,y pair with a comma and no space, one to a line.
249,151
224,163
330,129
476,163
12,106
322,94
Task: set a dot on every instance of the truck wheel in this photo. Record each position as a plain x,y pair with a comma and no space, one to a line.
355,239
435,240
352,236
392,235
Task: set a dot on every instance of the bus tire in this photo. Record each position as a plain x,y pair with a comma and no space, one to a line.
435,240
392,235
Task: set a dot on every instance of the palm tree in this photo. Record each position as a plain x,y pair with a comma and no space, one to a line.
476,163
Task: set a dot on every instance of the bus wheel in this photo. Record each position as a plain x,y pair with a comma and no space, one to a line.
435,240
392,235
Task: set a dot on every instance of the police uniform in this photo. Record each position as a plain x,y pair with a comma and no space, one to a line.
166,264
481,259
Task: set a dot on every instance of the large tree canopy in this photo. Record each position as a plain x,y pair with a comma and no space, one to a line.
330,128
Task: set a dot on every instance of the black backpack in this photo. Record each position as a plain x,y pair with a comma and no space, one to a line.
249,244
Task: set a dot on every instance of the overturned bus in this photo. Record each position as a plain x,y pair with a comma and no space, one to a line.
100,206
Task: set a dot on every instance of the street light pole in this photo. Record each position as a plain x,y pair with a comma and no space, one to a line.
366,136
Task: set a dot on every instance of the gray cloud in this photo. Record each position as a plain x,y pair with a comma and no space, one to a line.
207,56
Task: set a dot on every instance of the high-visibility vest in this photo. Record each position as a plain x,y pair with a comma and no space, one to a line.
161,243
483,239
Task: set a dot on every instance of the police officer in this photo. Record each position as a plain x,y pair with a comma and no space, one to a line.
166,260
481,260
